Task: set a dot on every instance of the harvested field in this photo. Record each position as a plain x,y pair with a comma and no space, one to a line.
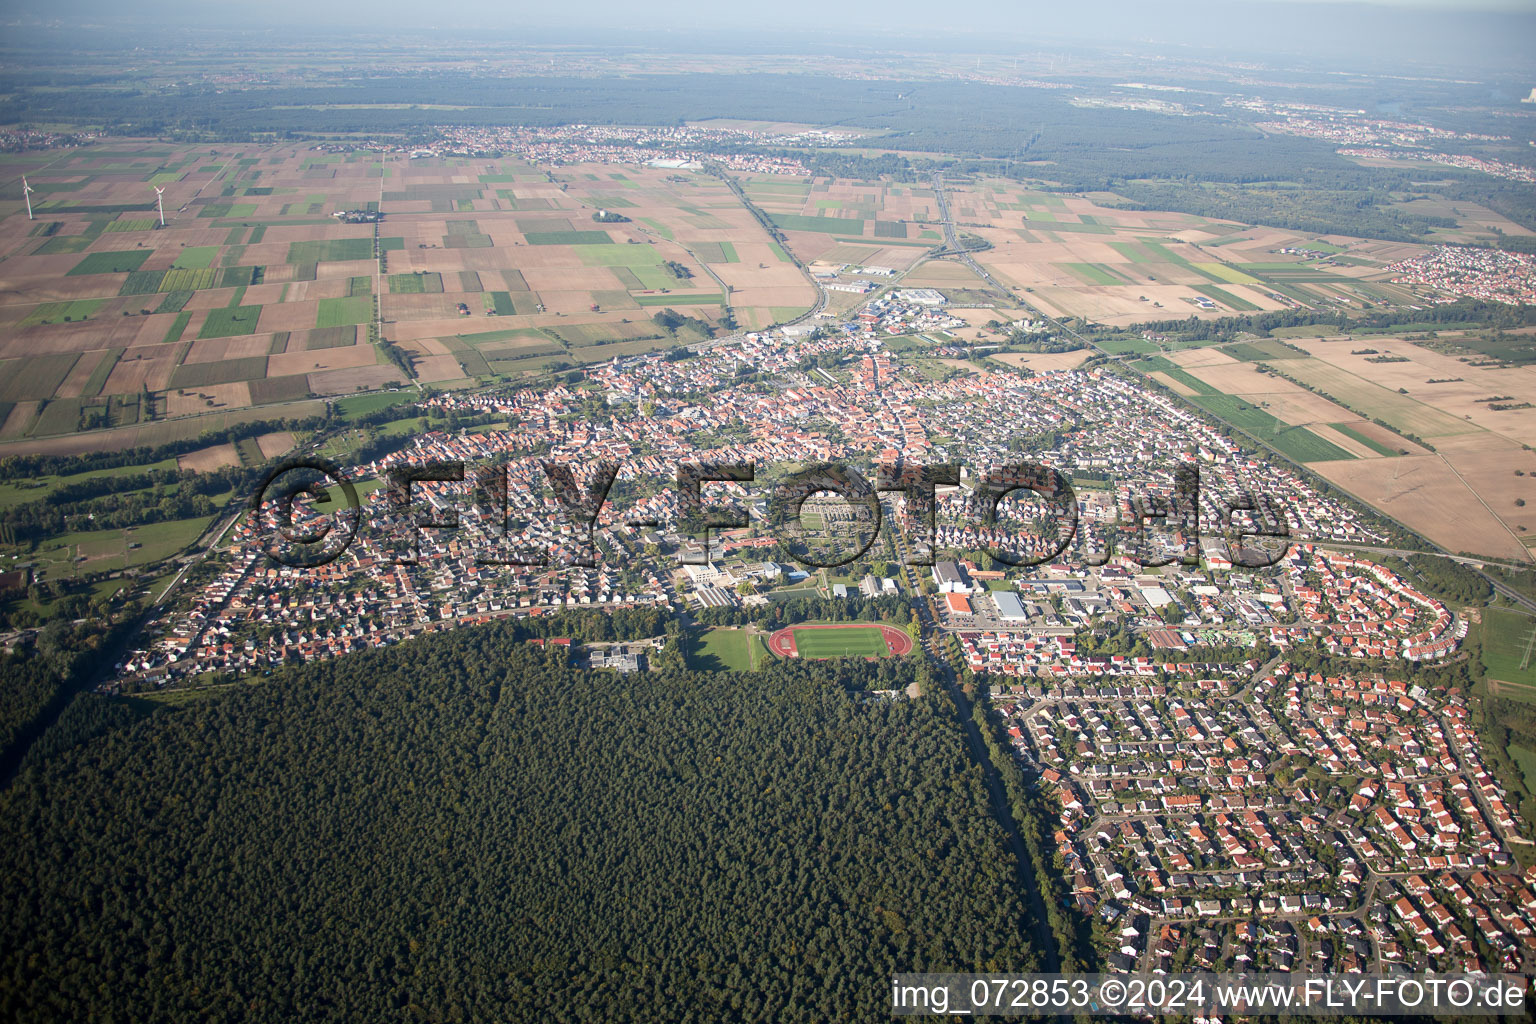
321,359
207,398
361,378
277,443
1044,362
205,459
1426,495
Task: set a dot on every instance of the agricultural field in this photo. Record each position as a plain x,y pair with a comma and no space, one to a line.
105,315
1080,256
1413,433
80,554
254,301
1506,640
1268,409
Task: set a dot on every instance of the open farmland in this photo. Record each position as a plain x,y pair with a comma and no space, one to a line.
1507,639
1459,485
1080,256
1456,485
103,309
254,299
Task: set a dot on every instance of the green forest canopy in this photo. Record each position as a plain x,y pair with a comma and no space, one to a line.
463,828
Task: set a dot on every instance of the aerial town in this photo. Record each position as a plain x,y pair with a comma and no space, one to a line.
1474,273
1218,804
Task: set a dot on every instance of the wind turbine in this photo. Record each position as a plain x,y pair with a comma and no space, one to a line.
160,203
26,193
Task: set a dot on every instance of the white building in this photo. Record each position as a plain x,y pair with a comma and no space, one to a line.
920,296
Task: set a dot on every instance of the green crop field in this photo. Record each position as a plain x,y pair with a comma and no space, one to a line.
512,337
1166,366
567,238
715,252
331,250
178,327
221,371
1506,634
1092,273
142,282
356,309
110,262
362,405
660,228
1133,252
852,641
418,283
189,280
227,210
102,370
59,416
1227,273
196,257
1126,346
825,225
714,299
62,312
60,244
1297,443
1263,350
230,321
34,377
620,254
1525,760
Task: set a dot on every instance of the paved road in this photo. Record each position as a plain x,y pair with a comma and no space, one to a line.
953,241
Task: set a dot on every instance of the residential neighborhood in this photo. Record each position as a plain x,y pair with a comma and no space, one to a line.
1218,804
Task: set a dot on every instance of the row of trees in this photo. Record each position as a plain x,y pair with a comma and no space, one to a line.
1458,314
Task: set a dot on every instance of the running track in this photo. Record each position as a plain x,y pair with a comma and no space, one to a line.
897,642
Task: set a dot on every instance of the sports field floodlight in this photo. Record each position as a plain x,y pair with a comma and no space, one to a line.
160,203
26,193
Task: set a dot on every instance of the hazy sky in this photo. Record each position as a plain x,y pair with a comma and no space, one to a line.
1459,30
682,14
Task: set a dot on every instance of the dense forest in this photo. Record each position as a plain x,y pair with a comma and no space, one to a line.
464,828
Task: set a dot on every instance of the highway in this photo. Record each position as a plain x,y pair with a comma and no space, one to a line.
952,240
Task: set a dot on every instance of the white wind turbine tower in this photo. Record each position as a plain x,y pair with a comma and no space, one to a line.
160,203
26,193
